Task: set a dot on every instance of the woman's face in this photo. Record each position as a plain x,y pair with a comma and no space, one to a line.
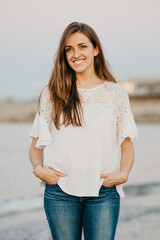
80,52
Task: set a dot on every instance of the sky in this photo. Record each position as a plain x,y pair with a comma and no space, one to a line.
129,31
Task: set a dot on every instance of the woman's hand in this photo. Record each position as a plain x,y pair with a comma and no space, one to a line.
48,175
115,178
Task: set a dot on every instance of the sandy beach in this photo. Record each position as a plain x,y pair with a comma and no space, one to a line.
144,110
136,222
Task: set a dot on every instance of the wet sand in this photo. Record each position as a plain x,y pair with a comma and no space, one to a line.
135,222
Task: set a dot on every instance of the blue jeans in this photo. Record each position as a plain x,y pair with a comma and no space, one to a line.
67,214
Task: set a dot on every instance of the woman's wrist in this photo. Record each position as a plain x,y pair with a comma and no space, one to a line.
36,164
124,176
37,170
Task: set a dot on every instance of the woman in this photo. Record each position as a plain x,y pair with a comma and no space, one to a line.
82,146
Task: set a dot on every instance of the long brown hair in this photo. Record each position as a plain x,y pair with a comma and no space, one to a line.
62,85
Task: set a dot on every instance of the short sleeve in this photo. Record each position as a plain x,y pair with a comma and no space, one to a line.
126,126
42,122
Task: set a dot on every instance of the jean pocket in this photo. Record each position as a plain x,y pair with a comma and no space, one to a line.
54,184
110,192
103,186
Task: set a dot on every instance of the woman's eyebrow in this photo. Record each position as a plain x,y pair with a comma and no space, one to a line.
78,44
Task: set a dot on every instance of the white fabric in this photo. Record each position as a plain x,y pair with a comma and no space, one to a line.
84,153
40,130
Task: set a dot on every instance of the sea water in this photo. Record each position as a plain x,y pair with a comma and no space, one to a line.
21,198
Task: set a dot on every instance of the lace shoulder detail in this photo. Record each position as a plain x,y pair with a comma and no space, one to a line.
111,95
45,107
121,102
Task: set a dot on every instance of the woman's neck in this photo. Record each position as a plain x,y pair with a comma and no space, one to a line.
87,79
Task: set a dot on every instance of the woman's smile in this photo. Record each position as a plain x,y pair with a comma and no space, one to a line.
78,62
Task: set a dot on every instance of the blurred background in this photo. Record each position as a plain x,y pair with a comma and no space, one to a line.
30,32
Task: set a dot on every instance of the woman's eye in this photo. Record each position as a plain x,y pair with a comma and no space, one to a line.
68,49
83,46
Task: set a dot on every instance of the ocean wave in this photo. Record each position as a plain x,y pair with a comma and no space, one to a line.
142,189
18,205
131,212
33,203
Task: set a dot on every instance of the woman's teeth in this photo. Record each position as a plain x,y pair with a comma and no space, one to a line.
78,62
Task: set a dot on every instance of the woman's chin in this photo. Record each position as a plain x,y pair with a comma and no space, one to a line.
79,70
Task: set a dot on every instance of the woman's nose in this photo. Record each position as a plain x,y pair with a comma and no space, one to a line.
76,53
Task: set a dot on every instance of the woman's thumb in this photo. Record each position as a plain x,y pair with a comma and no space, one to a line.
60,174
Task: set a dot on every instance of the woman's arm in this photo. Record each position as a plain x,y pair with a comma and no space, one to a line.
35,155
127,160
48,175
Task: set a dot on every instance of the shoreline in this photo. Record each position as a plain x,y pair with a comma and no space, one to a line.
144,110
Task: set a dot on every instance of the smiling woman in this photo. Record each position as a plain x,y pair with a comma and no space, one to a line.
80,53
82,146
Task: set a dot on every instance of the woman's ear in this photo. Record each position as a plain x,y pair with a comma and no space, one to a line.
96,51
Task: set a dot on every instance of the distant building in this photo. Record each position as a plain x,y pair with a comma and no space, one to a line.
143,87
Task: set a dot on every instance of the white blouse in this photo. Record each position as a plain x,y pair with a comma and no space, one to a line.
84,153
